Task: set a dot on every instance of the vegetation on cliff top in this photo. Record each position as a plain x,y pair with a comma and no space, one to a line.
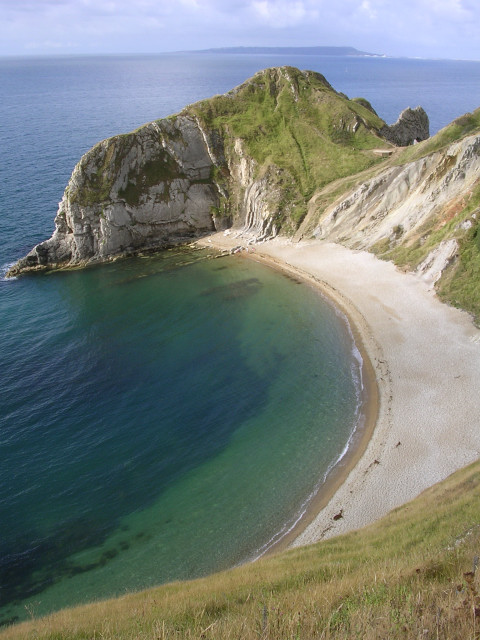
296,123
407,576
291,123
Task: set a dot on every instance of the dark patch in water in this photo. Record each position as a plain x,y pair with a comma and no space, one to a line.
292,278
30,564
235,290
21,577
34,564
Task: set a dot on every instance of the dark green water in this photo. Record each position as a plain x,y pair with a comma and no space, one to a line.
170,419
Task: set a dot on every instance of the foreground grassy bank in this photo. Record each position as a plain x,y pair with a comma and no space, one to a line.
410,575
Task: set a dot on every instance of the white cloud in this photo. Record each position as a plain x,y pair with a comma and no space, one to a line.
280,13
368,10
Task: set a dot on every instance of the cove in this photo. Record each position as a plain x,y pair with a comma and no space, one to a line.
166,417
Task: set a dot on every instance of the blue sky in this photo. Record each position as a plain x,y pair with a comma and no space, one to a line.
414,28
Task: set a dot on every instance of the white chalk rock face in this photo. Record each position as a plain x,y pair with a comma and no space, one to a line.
399,202
256,199
147,189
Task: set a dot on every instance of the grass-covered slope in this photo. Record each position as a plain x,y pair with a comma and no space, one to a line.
410,575
293,124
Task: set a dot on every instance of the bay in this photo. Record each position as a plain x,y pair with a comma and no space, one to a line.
163,418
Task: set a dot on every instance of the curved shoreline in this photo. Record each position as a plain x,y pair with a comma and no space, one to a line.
367,418
424,357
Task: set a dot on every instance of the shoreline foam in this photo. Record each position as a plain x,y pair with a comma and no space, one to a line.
420,355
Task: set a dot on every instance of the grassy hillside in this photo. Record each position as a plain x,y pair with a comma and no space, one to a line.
411,575
294,123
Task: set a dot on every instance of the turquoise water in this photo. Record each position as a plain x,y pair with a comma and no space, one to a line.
164,417
170,419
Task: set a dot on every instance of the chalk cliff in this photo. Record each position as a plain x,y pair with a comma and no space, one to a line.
251,158
400,203
145,189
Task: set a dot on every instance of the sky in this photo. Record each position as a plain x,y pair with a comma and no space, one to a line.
412,28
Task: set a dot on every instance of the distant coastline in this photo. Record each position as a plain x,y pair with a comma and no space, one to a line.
303,51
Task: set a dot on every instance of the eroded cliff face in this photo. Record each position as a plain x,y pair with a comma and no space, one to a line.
403,205
146,189
254,198
401,202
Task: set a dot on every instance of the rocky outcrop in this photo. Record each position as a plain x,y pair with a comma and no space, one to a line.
256,197
150,188
432,268
412,126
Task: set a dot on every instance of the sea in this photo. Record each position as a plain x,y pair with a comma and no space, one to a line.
168,416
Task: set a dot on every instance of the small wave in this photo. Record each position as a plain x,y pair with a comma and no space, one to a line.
290,526
286,529
358,425
3,272
357,376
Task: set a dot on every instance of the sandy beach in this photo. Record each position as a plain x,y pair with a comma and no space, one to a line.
425,357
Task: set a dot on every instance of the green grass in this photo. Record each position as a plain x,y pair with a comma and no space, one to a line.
405,576
460,285
298,131
297,124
